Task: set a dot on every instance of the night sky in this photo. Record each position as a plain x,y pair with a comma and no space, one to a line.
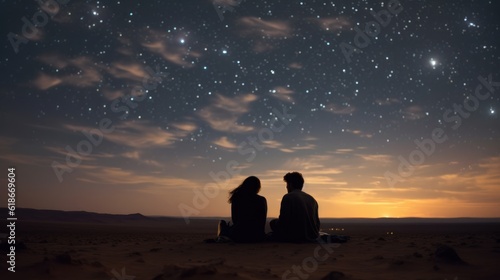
388,109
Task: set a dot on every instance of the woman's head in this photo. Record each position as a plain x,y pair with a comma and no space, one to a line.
249,186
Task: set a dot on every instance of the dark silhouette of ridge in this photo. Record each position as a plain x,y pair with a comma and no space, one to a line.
38,215
42,215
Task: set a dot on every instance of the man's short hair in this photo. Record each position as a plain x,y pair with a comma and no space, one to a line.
294,180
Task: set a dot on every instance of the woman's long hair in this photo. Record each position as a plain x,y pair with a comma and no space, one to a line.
249,186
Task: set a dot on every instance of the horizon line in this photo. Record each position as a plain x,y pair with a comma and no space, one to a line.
217,217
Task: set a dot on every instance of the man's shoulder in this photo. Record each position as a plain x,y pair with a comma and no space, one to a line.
302,196
297,194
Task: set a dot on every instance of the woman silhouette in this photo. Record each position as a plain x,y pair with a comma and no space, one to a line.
248,212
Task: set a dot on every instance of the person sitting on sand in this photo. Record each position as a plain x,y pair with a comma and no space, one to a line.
248,213
298,220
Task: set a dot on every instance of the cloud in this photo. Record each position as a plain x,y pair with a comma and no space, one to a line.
273,144
283,94
123,178
83,72
142,135
131,155
138,134
224,142
333,23
112,94
307,146
315,164
224,112
295,65
339,110
264,33
253,26
136,156
160,43
359,133
343,151
45,82
413,113
377,158
130,71
187,127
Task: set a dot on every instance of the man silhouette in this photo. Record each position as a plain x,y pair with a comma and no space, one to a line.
298,220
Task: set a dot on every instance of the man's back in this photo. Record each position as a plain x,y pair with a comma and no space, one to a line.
299,220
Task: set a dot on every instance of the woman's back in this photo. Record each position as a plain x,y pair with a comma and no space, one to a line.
248,213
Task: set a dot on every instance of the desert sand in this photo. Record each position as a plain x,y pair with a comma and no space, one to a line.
171,249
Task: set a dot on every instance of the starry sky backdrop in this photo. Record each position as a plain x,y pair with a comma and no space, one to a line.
162,107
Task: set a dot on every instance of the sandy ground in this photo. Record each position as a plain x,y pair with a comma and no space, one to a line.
174,250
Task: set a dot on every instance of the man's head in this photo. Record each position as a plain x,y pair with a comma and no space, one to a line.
294,181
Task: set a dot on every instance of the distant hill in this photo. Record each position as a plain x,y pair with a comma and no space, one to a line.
27,214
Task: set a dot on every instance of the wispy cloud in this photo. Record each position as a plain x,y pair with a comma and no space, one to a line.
143,135
139,134
359,133
295,65
85,73
158,42
264,28
413,113
339,110
377,158
224,142
283,93
264,32
333,23
224,112
131,71
123,177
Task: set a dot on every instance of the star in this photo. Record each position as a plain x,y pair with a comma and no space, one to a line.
433,63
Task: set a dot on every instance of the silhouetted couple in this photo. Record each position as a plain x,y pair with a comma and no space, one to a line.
298,220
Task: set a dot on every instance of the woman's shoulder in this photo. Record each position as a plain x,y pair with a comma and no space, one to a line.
261,198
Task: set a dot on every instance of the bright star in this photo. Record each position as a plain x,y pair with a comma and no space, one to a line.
433,62
492,111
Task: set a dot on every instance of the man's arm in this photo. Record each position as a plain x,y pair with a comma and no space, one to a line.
286,214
